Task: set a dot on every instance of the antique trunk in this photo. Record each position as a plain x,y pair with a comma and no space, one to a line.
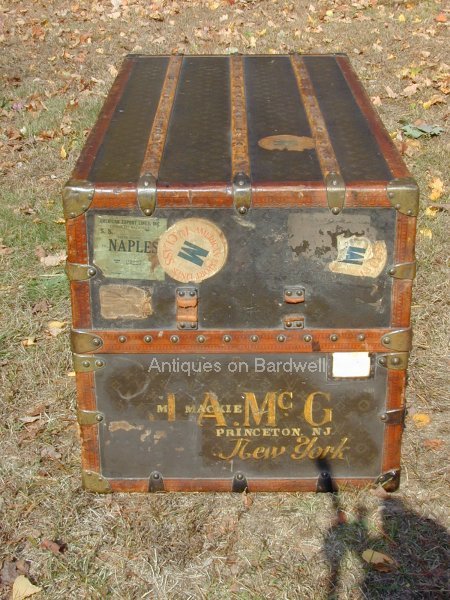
241,255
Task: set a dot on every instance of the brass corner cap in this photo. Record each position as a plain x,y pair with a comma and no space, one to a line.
95,482
390,480
398,341
403,194
77,197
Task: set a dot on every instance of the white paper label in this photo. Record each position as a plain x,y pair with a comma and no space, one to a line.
351,364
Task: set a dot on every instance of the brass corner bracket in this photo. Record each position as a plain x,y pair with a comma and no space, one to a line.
95,482
403,194
77,197
398,361
403,270
83,341
89,417
86,363
77,272
398,341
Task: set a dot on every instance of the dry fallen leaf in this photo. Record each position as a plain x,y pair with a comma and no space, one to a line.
247,499
37,410
436,186
435,99
421,419
63,153
390,92
4,250
410,90
29,341
51,453
425,232
434,444
56,327
441,18
379,561
55,546
11,569
53,260
23,588
376,100
42,306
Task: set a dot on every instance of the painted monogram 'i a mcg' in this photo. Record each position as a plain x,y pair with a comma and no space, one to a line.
241,257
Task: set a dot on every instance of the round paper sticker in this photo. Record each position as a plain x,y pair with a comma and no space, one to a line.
192,250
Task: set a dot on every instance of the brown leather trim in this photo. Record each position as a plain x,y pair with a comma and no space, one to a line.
157,138
95,138
186,341
405,236
324,148
77,240
390,152
224,485
90,450
395,398
81,304
239,136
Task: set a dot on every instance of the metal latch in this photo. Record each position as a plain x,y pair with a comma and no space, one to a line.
294,294
294,321
389,480
187,307
242,193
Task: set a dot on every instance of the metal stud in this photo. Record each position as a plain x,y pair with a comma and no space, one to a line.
288,324
386,340
335,210
254,338
147,212
227,338
99,418
181,293
334,337
148,339
192,293
307,338
383,362
392,271
96,341
396,360
242,210
174,339
92,272
201,339
281,338
181,325
99,363
288,293
361,337
86,363
239,476
122,339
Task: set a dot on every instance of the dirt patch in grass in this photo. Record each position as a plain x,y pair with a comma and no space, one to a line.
58,61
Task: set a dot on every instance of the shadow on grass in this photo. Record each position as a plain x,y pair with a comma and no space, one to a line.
420,547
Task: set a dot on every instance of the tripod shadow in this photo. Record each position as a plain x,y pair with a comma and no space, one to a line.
419,546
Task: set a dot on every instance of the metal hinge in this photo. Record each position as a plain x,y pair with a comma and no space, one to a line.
242,193
389,480
156,482
94,482
86,363
239,484
403,270
146,194
76,272
77,197
396,360
398,341
82,341
89,417
403,194
395,416
335,188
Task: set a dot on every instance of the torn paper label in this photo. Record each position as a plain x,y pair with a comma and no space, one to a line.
124,302
358,256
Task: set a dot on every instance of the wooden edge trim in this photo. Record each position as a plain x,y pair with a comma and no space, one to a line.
324,148
158,133
157,342
395,398
224,485
97,133
76,233
391,154
81,304
239,134
90,451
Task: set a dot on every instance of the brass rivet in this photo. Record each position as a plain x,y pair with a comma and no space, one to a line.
299,293
307,338
72,215
227,338
239,476
392,271
181,325
201,339
99,363
148,339
181,293
334,337
91,272
288,293
383,362
335,210
398,206
86,363
96,341
242,210
288,324
386,340
174,339
192,293
155,475
254,338
147,212
99,418
122,339
396,360
410,212
391,194
361,337
193,325
281,338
